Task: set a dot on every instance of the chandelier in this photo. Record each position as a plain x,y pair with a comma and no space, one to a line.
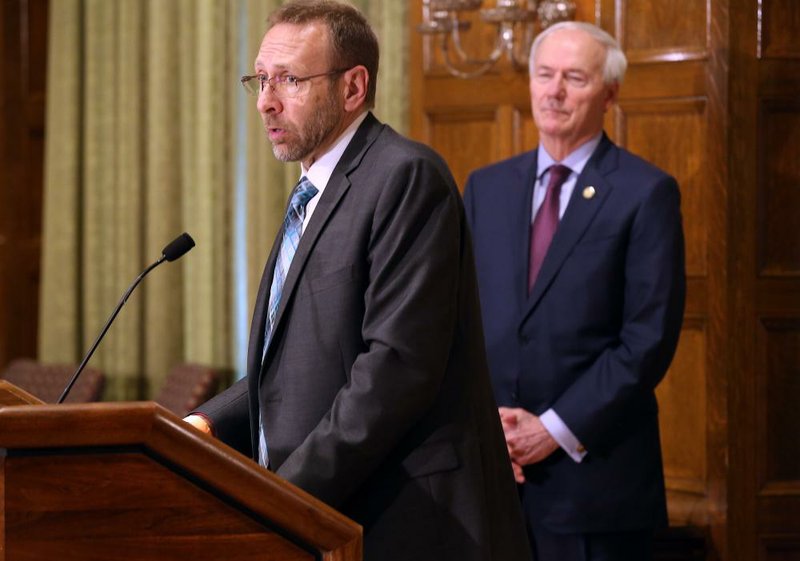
515,22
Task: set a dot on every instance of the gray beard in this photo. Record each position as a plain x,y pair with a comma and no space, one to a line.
319,125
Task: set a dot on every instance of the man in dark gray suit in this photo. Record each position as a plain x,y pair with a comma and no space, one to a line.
367,383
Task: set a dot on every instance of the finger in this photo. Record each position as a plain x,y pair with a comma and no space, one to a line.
509,421
519,475
506,413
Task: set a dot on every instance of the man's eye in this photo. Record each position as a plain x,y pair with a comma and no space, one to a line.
290,80
577,79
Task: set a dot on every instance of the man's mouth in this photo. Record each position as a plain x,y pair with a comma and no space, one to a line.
276,133
554,112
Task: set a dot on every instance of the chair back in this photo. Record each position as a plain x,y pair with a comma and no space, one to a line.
188,385
47,381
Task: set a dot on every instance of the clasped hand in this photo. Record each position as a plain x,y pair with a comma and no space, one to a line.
527,440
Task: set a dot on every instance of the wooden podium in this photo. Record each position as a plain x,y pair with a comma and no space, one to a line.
131,481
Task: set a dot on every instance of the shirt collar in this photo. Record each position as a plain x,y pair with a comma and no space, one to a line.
321,170
576,160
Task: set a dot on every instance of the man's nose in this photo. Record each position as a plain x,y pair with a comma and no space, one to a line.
268,102
555,87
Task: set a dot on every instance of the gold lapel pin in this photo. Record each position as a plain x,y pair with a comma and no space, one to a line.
589,192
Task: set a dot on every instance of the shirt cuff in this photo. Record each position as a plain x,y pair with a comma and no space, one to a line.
561,434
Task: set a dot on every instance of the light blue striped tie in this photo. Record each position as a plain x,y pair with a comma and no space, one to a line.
303,192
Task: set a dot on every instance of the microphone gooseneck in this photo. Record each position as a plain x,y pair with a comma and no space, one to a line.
174,250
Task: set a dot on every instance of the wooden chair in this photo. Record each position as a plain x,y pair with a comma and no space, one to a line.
187,386
47,381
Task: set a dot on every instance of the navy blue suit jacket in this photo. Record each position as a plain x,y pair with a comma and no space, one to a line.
594,337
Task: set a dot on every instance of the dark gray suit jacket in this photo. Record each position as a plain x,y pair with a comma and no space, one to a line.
375,390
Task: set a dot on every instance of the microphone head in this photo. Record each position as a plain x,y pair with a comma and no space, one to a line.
177,247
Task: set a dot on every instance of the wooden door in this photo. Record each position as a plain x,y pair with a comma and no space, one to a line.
764,132
23,53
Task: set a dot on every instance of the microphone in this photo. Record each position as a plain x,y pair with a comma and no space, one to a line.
174,250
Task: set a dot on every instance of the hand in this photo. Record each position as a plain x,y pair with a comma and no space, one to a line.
527,439
199,423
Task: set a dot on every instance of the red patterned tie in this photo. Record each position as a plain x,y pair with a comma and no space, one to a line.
546,221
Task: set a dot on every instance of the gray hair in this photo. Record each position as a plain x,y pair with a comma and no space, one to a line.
615,63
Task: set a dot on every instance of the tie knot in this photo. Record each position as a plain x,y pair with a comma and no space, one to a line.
303,192
558,175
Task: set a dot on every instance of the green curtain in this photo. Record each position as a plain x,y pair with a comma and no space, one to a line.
389,19
149,135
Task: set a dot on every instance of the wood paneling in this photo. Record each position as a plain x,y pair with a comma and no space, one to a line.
764,475
661,30
778,400
683,426
463,136
23,43
648,128
780,20
525,133
780,549
779,192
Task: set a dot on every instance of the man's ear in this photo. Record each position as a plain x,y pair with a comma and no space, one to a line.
612,94
356,82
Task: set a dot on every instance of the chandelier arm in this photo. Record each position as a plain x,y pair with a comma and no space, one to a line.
494,56
515,31
453,69
521,55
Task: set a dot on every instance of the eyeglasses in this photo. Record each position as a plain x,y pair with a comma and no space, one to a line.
285,85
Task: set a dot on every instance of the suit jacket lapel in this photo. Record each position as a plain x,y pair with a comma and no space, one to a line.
255,346
579,214
331,197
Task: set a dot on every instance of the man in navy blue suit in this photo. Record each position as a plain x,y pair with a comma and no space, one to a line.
580,256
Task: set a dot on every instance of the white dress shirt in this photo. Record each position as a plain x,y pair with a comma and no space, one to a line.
321,170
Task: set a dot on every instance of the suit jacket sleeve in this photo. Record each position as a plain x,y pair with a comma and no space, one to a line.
621,381
409,318
229,416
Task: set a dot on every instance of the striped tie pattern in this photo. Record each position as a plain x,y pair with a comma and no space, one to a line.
303,192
